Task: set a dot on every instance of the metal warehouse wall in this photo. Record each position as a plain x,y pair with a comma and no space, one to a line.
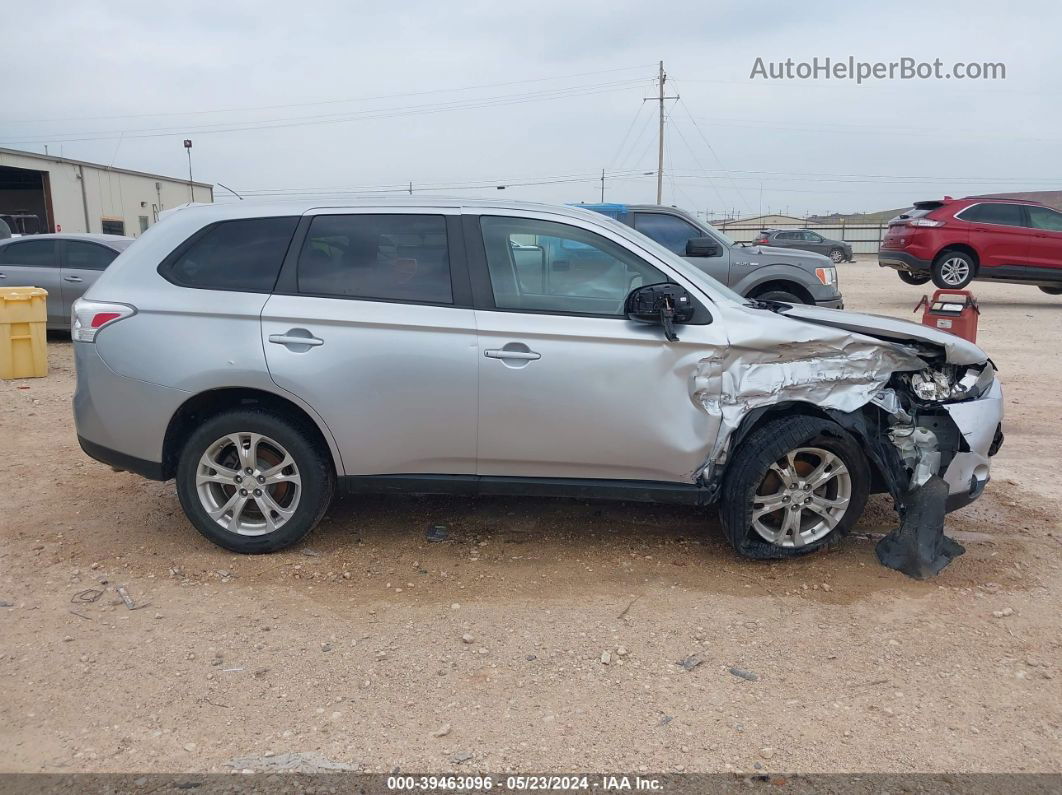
109,194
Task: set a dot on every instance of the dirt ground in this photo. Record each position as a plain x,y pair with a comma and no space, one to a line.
375,649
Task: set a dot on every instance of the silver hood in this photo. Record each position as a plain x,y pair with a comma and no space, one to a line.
957,350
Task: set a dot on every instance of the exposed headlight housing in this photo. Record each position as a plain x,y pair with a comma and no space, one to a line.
935,386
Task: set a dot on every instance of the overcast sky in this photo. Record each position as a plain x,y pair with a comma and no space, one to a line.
456,95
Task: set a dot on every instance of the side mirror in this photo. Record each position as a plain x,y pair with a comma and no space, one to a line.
703,247
660,304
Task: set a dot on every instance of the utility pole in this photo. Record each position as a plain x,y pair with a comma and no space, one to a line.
191,185
602,186
661,80
411,187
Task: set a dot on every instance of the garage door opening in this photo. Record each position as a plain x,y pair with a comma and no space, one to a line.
25,200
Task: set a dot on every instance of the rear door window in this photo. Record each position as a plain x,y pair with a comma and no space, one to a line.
994,213
34,253
88,256
377,257
243,255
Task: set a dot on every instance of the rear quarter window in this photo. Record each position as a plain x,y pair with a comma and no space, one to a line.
244,255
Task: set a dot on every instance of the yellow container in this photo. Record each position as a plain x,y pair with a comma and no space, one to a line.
23,337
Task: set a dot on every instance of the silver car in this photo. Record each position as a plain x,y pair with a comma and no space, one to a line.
63,264
267,356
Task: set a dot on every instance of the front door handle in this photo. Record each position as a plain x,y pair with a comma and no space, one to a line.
73,279
501,353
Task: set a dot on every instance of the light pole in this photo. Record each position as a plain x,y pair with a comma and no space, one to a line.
191,185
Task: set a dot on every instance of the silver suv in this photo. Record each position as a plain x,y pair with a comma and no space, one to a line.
267,355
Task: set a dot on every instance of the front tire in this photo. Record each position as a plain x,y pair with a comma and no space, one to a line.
953,270
1051,290
912,278
795,485
836,255
781,295
254,482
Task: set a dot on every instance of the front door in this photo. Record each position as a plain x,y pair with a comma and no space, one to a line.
568,386
35,263
1045,244
367,327
997,233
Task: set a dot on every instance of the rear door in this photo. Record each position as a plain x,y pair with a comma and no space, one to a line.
568,386
1045,245
82,263
371,324
997,233
673,233
35,263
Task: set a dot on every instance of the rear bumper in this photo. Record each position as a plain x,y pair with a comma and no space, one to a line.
903,261
121,421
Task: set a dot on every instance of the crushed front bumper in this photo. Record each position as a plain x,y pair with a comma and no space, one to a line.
980,422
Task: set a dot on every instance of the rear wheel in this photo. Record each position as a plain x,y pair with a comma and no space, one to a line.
253,482
912,278
795,485
953,270
1051,290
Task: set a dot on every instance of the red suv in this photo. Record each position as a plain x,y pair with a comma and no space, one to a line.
954,241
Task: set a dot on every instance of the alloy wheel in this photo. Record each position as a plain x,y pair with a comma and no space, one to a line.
248,483
802,498
954,271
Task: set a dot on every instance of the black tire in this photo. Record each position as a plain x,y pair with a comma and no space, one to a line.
750,469
781,295
946,263
313,466
1051,290
912,278
836,255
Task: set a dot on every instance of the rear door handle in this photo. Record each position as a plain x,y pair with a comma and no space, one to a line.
291,338
73,279
501,353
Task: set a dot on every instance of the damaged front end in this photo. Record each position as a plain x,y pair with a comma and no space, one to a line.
925,406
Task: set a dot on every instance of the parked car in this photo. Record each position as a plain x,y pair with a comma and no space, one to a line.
434,346
22,223
5,230
65,265
753,271
954,241
806,240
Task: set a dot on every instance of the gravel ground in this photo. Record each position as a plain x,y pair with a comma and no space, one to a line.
543,635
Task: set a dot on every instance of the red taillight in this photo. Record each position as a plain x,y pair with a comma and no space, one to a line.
924,222
103,317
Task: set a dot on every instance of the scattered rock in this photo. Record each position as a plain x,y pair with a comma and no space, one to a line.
741,673
190,747
690,662
531,657
468,638
442,731
621,651
311,553
296,762
461,757
326,647
606,658
767,753
1006,611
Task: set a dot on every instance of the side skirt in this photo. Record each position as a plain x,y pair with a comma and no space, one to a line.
492,485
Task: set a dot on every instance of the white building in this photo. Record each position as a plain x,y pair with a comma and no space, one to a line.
57,194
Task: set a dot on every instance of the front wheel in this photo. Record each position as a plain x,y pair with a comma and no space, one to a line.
253,482
784,296
953,270
836,255
1051,290
912,278
794,485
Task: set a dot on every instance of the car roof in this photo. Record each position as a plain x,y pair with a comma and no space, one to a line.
976,200
258,208
71,236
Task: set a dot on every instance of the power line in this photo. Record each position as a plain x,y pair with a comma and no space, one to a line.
383,113
244,109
